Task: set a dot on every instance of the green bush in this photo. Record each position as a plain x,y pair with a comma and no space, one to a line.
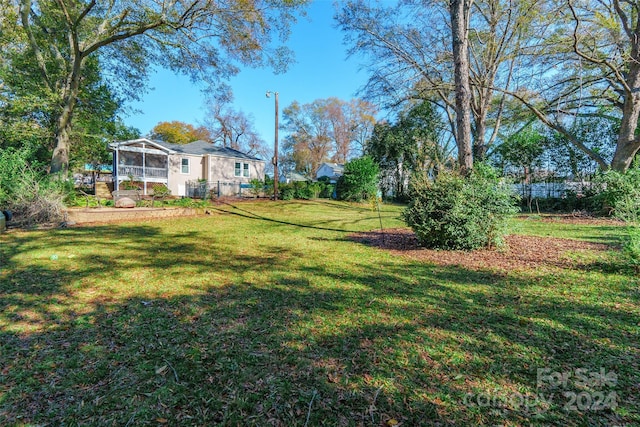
160,192
620,195
359,181
257,187
314,189
286,191
12,170
326,187
130,184
304,190
268,186
27,191
187,202
631,247
456,212
84,200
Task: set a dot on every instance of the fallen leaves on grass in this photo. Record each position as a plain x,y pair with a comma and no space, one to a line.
519,253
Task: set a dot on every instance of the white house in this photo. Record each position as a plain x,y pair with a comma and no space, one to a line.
292,177
174,165
332,170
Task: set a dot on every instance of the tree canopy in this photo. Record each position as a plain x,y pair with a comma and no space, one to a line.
177,132
411,55
206,40
359,181
328,129
27,110
234,129
414,143
564,61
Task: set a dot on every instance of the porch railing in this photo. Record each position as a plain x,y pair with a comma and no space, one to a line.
139,172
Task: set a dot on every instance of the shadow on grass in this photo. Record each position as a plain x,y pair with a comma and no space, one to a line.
318,225
406,341
364,207
611,235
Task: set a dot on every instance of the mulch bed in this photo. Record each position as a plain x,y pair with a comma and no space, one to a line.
519,252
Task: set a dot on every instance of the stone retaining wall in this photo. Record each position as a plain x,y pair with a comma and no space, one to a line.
83,216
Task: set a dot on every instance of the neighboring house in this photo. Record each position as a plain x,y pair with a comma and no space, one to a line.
174,165
293,177
332,170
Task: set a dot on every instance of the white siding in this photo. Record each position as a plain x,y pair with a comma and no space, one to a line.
223,169
329,169
177,179
324,171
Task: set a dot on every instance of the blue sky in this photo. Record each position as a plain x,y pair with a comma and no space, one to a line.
321,70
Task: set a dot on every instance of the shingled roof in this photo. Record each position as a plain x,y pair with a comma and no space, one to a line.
202,148
196,148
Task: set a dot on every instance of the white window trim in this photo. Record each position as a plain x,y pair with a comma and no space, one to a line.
182,166
243,166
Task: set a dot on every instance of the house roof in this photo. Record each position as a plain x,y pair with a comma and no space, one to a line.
197,148
155,144
295,176
337,167
203,147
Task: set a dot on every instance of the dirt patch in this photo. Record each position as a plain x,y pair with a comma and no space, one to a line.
519,252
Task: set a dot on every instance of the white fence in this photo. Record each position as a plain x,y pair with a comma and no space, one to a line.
208,189
549,190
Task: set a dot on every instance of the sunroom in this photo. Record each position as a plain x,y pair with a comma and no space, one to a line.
142,161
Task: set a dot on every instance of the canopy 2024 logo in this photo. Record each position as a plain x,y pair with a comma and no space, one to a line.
582,389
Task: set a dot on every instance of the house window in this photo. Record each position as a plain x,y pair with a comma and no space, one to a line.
242,169
185,166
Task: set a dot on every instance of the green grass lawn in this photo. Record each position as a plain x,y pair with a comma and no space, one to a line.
266,313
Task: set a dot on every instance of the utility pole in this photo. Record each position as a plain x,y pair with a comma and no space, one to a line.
274,161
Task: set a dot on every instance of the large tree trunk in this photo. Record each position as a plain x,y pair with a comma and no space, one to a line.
459,10
624,155
628,144
479,146
481,107
399,178
60,157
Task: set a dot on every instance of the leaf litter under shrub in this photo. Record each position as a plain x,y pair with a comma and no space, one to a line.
519,252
